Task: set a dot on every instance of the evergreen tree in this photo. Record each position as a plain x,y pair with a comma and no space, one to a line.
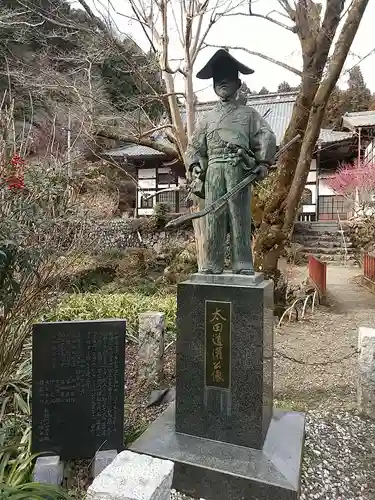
263,90
244,93
358,96
284,87
334,109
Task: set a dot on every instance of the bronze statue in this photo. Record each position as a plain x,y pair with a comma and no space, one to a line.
230,141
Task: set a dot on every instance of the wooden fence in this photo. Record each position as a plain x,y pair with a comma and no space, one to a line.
318,276
368,279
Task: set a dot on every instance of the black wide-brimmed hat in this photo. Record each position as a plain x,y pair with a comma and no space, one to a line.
221,61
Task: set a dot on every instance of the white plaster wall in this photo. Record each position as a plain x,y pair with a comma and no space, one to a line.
146,180
312,188
308,208
324,189
147,173
147,183
312,176
145,211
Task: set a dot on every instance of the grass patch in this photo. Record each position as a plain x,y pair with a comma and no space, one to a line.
91,306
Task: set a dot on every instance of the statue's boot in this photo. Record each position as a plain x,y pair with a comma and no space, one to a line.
207,270
248,272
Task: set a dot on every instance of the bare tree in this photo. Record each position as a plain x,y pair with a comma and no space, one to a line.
192,21
316,32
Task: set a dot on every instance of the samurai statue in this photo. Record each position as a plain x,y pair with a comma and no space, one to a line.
229,142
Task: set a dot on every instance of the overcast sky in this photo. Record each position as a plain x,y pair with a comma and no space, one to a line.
257,35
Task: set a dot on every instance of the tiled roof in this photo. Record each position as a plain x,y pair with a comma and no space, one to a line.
358,119
133,151
136,151
328,136
277,109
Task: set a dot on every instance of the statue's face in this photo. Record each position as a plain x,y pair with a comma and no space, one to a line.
226,87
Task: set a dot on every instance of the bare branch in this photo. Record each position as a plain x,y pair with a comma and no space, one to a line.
142,141
263,56
268,17
172,189
156,129
24,23
288,8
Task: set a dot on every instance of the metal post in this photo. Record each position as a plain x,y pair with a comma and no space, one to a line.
69,146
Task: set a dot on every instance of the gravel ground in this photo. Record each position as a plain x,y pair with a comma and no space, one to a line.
326,337
339,458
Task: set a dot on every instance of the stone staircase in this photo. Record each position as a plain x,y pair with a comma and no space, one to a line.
325,241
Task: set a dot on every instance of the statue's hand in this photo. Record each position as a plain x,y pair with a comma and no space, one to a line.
196,171
261,172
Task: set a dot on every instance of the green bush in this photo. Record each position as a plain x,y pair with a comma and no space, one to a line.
90,306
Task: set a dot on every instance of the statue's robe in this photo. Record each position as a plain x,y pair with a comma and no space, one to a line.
242,126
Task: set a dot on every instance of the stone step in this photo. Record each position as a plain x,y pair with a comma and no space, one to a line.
316,226
319,235
311,242
331,258
326,251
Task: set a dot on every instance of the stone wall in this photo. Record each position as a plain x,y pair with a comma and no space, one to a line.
122,234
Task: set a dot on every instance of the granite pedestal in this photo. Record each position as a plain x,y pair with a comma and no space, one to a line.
227,441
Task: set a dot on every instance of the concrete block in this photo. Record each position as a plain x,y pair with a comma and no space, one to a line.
101,460
366,371
132,476
48,470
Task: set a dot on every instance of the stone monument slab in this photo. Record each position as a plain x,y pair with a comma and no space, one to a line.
78,387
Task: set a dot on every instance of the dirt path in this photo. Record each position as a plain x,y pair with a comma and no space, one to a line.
327,336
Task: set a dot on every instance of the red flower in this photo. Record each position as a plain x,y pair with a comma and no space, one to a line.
15,178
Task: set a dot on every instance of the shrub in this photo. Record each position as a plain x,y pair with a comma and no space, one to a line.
90,306
38,200
160,215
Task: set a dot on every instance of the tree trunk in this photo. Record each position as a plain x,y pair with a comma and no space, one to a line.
316,42
316,116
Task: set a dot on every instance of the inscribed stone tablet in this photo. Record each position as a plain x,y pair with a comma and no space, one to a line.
218,344
78,387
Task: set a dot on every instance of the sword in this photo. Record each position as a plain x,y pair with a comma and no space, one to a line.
221,202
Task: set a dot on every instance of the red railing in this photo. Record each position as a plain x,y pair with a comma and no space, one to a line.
318,275
369,267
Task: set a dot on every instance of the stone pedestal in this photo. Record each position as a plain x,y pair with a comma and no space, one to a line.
223,435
